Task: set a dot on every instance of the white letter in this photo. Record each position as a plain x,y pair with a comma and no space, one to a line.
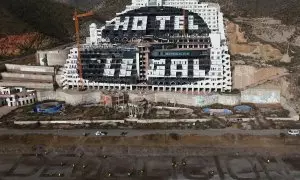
191,23
179,23
139,23
162,20
124,23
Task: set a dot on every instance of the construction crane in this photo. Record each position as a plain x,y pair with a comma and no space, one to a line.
79,64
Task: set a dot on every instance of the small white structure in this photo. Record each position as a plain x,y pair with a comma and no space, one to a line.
261,96
52,57
17,96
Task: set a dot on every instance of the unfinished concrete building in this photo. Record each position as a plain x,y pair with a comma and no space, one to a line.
113,99
17,96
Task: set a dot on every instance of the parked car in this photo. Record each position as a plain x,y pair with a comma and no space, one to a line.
294,132
100,133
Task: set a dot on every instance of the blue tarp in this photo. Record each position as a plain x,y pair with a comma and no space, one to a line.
242,108
217,111
206,110
50,110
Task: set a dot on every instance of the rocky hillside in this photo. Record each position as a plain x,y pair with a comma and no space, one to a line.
25,43
29,21
286,10
27,25
50,18
106,9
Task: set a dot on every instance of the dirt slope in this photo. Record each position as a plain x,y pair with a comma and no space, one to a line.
240,45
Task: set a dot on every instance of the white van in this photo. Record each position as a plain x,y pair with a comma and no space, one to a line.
293,132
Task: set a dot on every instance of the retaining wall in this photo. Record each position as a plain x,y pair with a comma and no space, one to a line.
48,78
24,68
206,100
68,122
282,119
29,85
70,97
260,96
148,121
185,99
145,121
242,119
190,100
74,97
229,99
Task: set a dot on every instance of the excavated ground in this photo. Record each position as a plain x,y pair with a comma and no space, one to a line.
270,49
